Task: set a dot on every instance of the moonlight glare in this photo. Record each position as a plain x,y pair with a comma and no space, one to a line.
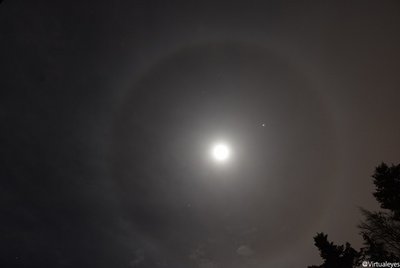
220,152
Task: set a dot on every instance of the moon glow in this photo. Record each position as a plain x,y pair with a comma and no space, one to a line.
220,152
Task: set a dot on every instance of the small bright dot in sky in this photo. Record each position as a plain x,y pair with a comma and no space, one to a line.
263,124
221,152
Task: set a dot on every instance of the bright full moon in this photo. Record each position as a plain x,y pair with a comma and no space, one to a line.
220,152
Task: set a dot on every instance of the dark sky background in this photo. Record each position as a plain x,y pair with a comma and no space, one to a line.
108,110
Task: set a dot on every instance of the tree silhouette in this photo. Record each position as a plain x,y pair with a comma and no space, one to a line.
380,230
333,255
387,182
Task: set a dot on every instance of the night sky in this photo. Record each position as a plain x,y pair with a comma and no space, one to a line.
110,111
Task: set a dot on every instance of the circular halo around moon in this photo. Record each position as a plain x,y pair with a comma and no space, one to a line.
278,169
